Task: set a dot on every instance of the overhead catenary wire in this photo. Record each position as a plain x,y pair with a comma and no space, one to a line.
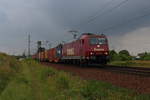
98,11
123,22
93,15
128,21
104,13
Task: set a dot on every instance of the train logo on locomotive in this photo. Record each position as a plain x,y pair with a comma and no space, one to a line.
70,52
98,49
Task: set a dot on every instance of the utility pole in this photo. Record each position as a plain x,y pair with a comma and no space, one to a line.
29,42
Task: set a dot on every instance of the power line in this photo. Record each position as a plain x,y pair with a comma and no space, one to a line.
109,11
98,11
128,21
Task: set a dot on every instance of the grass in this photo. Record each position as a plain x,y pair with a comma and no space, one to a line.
134,63
28,80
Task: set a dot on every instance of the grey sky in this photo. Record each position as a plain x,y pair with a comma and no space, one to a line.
51,19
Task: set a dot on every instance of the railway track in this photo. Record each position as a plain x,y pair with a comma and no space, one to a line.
129,70
137,79
145,72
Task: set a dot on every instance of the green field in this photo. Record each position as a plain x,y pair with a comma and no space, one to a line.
134,63
28,80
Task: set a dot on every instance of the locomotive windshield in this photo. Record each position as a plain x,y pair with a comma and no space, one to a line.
98,41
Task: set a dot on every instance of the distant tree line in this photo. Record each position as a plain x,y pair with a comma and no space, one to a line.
144,56
124,55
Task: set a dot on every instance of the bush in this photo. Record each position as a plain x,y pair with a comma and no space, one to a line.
124,57
113,55
145,56
63,81
45,73
93,91
8,69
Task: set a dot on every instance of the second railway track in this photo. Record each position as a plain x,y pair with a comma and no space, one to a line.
130,70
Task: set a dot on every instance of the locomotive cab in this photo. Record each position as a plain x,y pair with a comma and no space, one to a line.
96,48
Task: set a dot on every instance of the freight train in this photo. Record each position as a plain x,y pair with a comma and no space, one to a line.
87,49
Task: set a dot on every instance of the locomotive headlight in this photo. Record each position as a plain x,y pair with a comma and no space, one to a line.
98,46
106,53
91,53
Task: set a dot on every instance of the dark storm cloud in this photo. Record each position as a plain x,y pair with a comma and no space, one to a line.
112,20
51,19
75,13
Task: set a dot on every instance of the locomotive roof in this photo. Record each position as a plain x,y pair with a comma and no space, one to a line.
91,35
86,35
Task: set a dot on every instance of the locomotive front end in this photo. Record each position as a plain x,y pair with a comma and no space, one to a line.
98,51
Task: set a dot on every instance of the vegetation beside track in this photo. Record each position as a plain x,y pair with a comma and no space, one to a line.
132,63
123,58
28,80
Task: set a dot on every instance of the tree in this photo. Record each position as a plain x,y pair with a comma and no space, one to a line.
114,56
125,55
124,52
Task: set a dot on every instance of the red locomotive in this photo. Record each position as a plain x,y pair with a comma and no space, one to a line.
89,48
